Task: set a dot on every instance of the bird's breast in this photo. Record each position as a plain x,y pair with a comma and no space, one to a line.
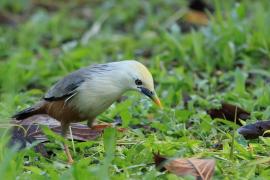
92,101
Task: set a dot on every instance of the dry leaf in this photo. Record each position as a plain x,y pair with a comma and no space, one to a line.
196,17
19,136
29,131
200,168
253,131
227,111
197,13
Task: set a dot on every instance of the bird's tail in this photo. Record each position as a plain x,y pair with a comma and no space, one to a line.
36,109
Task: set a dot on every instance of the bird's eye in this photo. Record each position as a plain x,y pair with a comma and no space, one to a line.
138,82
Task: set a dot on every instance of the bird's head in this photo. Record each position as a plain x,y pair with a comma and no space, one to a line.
140,79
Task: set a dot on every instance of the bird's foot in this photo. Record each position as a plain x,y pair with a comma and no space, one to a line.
70,160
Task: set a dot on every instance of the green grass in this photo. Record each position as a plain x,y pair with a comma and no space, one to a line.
228,60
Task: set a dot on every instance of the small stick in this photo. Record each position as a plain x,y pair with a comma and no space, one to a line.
72,140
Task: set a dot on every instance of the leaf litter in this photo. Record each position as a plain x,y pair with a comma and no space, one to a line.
253,131
229,112
30,131
199,168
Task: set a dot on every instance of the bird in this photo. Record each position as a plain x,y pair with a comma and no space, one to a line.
87,92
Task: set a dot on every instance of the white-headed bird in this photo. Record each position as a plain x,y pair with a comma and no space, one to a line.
89,91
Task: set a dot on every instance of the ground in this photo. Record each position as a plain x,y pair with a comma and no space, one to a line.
225,59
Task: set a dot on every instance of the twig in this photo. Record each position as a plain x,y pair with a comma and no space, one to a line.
72,140
233,135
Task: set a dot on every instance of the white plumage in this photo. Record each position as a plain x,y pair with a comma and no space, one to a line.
99,91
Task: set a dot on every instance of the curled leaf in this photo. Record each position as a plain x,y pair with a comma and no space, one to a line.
200,168
253,131
229,112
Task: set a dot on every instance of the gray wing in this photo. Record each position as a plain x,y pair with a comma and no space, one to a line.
67,86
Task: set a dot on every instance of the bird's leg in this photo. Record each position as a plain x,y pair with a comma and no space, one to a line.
90,123
64,129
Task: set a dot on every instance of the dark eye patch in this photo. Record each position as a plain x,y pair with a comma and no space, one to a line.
138,82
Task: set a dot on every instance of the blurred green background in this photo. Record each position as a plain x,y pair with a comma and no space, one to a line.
212,53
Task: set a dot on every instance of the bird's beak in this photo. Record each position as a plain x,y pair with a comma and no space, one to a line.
157,101
152,95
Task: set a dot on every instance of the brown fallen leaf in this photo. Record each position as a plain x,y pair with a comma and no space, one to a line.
197,13
196,17
253,131
19,136
228,111
200,168
29,131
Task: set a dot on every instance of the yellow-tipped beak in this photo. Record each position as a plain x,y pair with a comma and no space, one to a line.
157,101
152,95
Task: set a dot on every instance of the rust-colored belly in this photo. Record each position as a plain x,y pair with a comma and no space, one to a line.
62,111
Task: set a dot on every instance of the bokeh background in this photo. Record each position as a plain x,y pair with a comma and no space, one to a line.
201,53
